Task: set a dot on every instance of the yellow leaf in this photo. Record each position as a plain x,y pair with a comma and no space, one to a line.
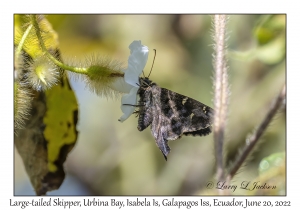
60,120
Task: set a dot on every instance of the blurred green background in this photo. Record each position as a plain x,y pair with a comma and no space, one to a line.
113,158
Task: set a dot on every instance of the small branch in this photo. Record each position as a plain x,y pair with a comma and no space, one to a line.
220,91
258,133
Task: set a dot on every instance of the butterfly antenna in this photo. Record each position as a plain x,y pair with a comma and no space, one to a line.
152,62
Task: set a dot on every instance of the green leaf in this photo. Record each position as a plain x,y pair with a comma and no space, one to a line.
269,28
271,162
271,179
273,52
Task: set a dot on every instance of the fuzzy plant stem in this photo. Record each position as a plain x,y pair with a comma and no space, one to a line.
51,57
276,104
220,90
22,41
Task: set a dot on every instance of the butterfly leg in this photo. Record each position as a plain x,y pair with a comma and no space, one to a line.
138,105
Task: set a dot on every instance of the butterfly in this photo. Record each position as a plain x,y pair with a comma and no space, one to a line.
170,115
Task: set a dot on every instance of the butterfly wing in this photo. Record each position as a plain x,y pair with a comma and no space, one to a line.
171,115
187,116
175,115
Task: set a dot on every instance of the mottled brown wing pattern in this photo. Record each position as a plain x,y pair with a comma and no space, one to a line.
188,116
171,114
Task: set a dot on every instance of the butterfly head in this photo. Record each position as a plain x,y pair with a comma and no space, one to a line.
145,82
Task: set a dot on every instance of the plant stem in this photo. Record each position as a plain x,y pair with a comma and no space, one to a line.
221,91
258,133
51,57
22,41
